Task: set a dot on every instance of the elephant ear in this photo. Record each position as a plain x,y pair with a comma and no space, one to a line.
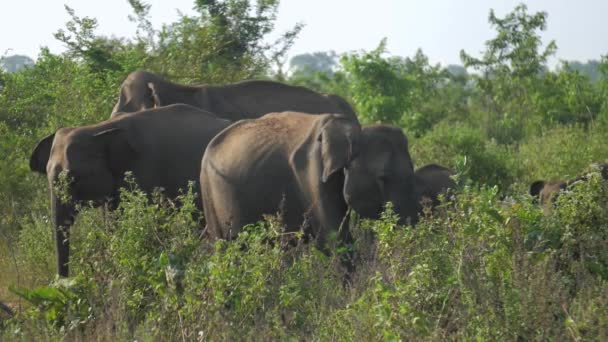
336,147
119,151
536,188
41,154
153,93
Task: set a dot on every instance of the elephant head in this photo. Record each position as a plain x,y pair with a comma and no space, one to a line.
319,161
431,181
93,163
143,90
545,191
381,171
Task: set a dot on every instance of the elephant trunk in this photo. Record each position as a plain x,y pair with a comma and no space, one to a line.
407,207
63,218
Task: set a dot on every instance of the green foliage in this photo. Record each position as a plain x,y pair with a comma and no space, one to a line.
580,219
377,87
562,152
430,83
318,71
307,63
81,41
468,150
603,89
567,97
590,69
515,49
15,63
224,43
482,269
510,67
52,102
400,91
489,265
143,270
476,268
61,304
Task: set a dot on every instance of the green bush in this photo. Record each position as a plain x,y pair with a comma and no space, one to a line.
468,150
487,266
475,268
561,152
143,271
484,269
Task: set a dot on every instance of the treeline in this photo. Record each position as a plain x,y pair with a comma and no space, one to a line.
488,265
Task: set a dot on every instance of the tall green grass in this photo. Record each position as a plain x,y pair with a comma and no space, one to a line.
478,267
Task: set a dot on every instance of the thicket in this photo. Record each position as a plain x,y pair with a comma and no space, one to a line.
487,264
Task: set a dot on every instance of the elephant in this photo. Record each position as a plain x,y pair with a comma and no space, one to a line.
236,101
290,162
382,171
162,147
312,168
547,191
431,181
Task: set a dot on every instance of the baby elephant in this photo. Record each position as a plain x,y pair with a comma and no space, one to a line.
547,191
432,180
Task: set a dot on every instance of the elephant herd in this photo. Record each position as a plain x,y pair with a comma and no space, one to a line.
254,147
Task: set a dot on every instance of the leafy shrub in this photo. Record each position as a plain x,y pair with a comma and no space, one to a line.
143,270
561,152
480,268
377,86
475,268
484,267
466,149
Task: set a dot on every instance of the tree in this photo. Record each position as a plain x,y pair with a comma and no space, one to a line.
377,85
224,42
589,69
410,91
428,83
509,68
456,70
15,63
318,71
110,58
603,87
308,63
567,96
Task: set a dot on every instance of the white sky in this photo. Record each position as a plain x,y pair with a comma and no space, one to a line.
440,28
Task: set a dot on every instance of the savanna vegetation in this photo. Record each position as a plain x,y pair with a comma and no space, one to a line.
486,265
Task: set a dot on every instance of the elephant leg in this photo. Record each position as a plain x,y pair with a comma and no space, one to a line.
62,245
63,218
346,240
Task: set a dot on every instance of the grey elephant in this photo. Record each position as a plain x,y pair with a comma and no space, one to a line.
162,147
382,171
287,160
243,100
431,181
547,191
310,167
